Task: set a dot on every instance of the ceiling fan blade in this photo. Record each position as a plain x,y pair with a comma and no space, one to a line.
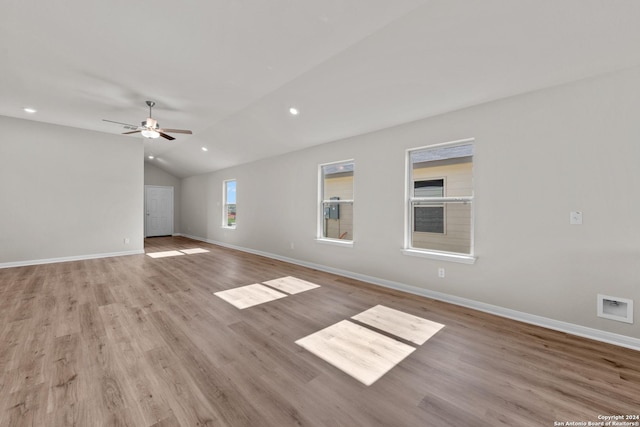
133,131
165,136
120,123
176,131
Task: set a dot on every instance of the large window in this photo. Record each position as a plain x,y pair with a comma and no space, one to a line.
440,200
336,202
229,203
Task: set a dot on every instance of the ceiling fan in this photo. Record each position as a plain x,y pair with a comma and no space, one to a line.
150,128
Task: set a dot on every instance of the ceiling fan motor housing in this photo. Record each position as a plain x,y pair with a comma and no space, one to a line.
150,123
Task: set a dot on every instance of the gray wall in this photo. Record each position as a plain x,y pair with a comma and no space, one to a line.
538,156
153,175
66,192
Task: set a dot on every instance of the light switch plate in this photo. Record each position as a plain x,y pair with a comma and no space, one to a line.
575,218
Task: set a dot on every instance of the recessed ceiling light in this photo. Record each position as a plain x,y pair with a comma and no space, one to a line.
294,111
205,149
29,110
150,157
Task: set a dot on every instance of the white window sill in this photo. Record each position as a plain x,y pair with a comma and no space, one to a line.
441,256
336,242
226,227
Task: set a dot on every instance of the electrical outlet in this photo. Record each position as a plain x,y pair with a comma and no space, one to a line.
291,244
441,273
126,241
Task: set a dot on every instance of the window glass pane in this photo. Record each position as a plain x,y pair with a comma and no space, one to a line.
455,231
229,208
231,192
337,186
338,182
231,215
338,221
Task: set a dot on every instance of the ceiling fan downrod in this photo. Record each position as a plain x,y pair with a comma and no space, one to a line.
150,104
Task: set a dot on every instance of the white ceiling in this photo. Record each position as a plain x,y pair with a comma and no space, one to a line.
230,69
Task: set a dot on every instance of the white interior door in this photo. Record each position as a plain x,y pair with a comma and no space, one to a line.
158,205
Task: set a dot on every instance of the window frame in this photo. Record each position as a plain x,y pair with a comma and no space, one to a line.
321,203
225,209
410,199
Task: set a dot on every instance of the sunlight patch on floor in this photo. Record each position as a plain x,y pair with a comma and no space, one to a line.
407,326
164,254
250,295
193,251
291,285
357,351
363,353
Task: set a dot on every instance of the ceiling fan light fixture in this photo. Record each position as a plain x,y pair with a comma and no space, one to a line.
150,133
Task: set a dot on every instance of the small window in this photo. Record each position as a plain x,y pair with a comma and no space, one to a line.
429,188
440,214
429,219
229,203
336,201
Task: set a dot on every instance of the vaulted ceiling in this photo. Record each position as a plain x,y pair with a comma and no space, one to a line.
230,70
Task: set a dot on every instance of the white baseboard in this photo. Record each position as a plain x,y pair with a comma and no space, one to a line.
570,328
67,259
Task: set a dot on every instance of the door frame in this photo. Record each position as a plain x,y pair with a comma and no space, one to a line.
145,206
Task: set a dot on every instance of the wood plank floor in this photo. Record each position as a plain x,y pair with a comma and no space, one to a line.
138,341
